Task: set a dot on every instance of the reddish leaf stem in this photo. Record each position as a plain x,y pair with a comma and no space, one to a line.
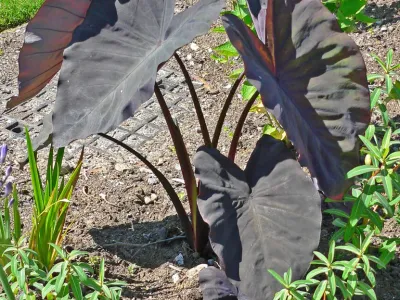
187,226
239,127
224,110
199,226
196,102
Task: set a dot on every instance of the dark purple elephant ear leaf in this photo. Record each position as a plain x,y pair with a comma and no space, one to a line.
262,14
46,37
317,87
216,286
266,217
111,61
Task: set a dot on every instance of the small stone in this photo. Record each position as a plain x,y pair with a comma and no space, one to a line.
121,167
189,57
210,262
175,278
384,28
148,200
153,197
162,233
145,170
198,129
177,167
179,260
152,180
194,47
160,162
66,169
147,236
193,272
6,91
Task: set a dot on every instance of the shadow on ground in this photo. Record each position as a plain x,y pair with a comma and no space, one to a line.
134,235
386,13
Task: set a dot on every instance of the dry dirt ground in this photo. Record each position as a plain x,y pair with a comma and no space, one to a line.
108,204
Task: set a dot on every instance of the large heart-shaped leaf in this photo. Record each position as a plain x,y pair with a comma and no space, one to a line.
216,286
313,78
46,37
266,217
110,66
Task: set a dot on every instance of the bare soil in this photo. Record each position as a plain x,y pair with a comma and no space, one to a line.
109,203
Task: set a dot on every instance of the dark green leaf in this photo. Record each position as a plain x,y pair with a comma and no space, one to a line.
350,248
374,100
361,170
320,290
372,148
367,290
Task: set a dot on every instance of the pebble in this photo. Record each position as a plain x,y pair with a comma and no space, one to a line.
6,91
179,260
175,278
153,197
194,47
189,57
66,169
121,167
148,200
196,270
162,233
152,180
145,170
384,28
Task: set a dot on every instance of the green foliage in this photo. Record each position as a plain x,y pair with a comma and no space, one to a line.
68,279
390,88
16,12
349,13
27,270
332,276
349,267
9,231
51,203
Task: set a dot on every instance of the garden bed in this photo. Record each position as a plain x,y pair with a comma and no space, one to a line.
121,202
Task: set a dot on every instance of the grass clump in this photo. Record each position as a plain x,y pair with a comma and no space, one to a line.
17,12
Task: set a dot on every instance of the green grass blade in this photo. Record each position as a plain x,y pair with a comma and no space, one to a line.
36,183
49,172
58,165
6,286
17,216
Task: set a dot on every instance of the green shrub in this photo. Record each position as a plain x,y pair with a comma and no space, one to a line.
17,12
375,197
